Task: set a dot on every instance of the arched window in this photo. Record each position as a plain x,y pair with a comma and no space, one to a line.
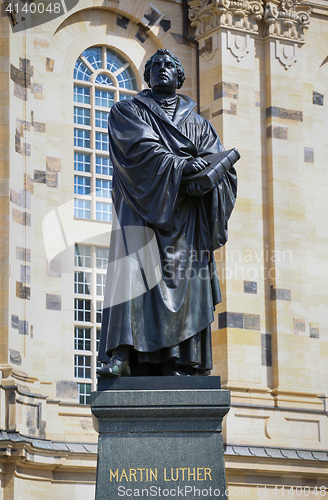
101,77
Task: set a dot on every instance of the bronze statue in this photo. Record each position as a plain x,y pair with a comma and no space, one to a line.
157,140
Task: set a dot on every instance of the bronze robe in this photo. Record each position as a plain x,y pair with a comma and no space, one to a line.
168,313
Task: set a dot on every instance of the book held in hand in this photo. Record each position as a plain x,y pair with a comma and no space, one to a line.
220,163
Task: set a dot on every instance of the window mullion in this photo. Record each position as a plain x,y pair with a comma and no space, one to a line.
104,57
120,70
94,325
86,62
93,155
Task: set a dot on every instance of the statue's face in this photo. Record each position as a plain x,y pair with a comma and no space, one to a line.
163,74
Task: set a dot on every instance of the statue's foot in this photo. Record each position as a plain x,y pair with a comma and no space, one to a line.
115,368
172,369
196,372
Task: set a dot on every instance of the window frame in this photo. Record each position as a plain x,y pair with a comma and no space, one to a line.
85,99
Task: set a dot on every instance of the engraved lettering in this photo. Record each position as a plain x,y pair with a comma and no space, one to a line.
153,474
208,473
199,472
165,478
191,474
133,473
124,475
141,469
177,474
112,474
183,471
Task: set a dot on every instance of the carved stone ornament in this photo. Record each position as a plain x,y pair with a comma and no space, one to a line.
238,45
209,15
286,54
286,19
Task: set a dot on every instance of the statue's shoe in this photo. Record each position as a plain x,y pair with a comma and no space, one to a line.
115,368
173,370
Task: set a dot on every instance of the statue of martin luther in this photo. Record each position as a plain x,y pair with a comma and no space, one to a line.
156,139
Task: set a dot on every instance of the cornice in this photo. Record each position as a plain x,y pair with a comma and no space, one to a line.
206,15
280,19
286,19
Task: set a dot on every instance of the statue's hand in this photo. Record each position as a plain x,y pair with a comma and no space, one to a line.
194,166
194,189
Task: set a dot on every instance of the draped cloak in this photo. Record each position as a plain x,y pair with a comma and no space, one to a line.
162,285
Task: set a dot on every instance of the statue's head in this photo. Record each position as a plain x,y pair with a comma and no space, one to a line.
173,66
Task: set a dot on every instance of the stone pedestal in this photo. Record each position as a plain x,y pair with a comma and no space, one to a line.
160,437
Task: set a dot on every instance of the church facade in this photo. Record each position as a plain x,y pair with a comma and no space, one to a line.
259,72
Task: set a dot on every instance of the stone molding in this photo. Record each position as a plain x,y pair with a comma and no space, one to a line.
282,19
208,15
286,19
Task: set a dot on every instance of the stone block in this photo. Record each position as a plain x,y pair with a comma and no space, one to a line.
25,274
22,218
50,64
22,199
53,164
26,149
23,327
52,179
15,357
284,114
28,185
53,302
231,320
299,326
318,98
250,287
20,92
40,176
179,39
226,89
277,132
37,91
266,349
39,127
23,254
122,21
207,48
206,113
141,34
161,435
151,16
14,321
280,294
20,77
308,155
23,292
314,330
165,24
251,321
67,389
22,125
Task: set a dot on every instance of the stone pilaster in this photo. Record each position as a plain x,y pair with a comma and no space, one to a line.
252,92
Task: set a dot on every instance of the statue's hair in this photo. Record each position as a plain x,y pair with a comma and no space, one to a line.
179,67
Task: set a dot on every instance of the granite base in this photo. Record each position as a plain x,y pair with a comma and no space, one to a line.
160,437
